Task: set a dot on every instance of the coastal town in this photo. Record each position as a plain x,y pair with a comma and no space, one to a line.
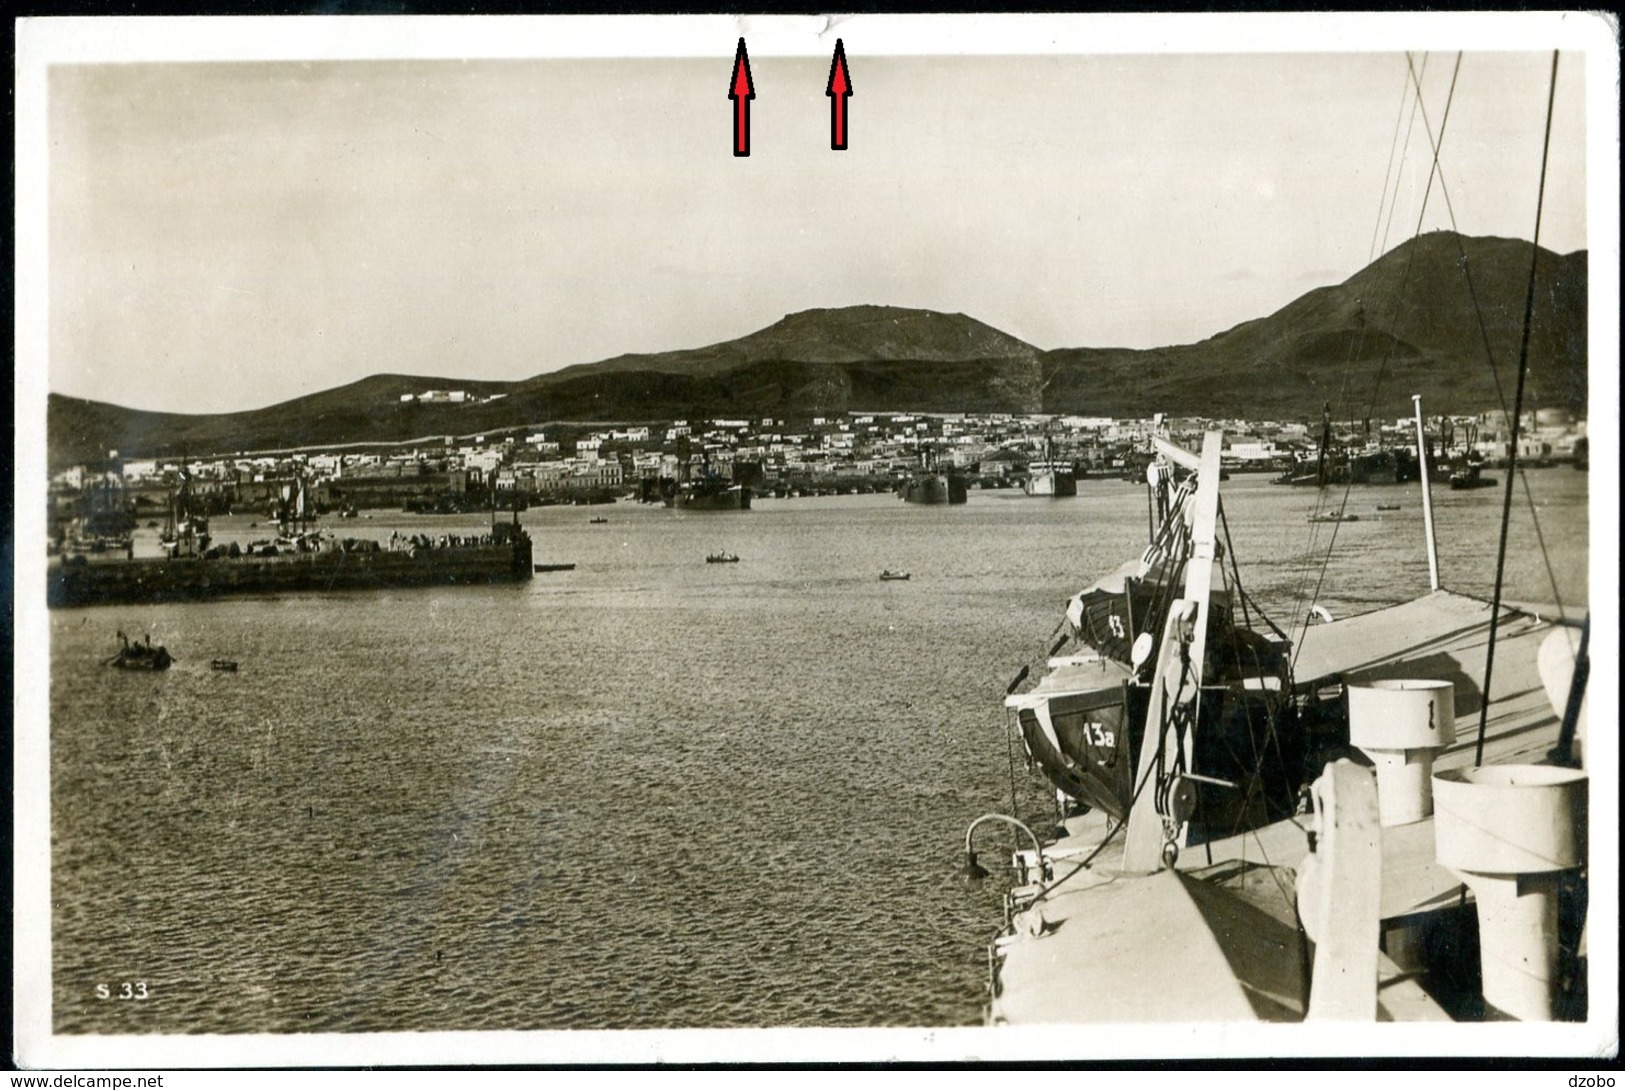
855,452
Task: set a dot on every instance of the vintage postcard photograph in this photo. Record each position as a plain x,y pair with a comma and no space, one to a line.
641,540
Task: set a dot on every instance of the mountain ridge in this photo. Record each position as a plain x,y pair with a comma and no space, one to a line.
1407,323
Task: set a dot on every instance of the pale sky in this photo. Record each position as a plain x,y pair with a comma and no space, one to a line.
227,236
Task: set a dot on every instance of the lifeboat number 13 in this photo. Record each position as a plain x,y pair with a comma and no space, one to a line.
1100,736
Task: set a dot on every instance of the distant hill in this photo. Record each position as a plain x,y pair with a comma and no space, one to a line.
1409,315
860,334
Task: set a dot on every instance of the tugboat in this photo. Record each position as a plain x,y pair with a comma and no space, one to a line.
1471,475
140,656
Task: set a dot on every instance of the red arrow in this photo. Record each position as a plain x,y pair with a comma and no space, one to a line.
741,90
839,90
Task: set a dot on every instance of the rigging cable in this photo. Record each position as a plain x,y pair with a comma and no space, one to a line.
1343,396
1489,353
1517,409
1404,280
1255,784
1358,343
1272,736
1409,128
1229,551
1246,599
1387,174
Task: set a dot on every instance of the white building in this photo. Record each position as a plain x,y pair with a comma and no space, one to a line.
597,475
1261,450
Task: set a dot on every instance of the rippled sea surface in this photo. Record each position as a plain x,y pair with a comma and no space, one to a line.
650,792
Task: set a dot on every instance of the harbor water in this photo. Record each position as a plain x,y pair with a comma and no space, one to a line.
649,792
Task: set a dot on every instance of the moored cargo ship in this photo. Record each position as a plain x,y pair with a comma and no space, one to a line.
701,489
502,555
707,494
932,484
1051,475
1057,479
934,488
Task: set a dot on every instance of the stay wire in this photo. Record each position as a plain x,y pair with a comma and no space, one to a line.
1246,599
1399,295
1356,347
1489,352
1344,400
1255,781
1517,410
1409,128
1387,174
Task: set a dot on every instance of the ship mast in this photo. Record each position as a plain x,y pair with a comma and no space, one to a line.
1427,496
1325,444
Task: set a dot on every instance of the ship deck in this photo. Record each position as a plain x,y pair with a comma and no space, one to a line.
1104,947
